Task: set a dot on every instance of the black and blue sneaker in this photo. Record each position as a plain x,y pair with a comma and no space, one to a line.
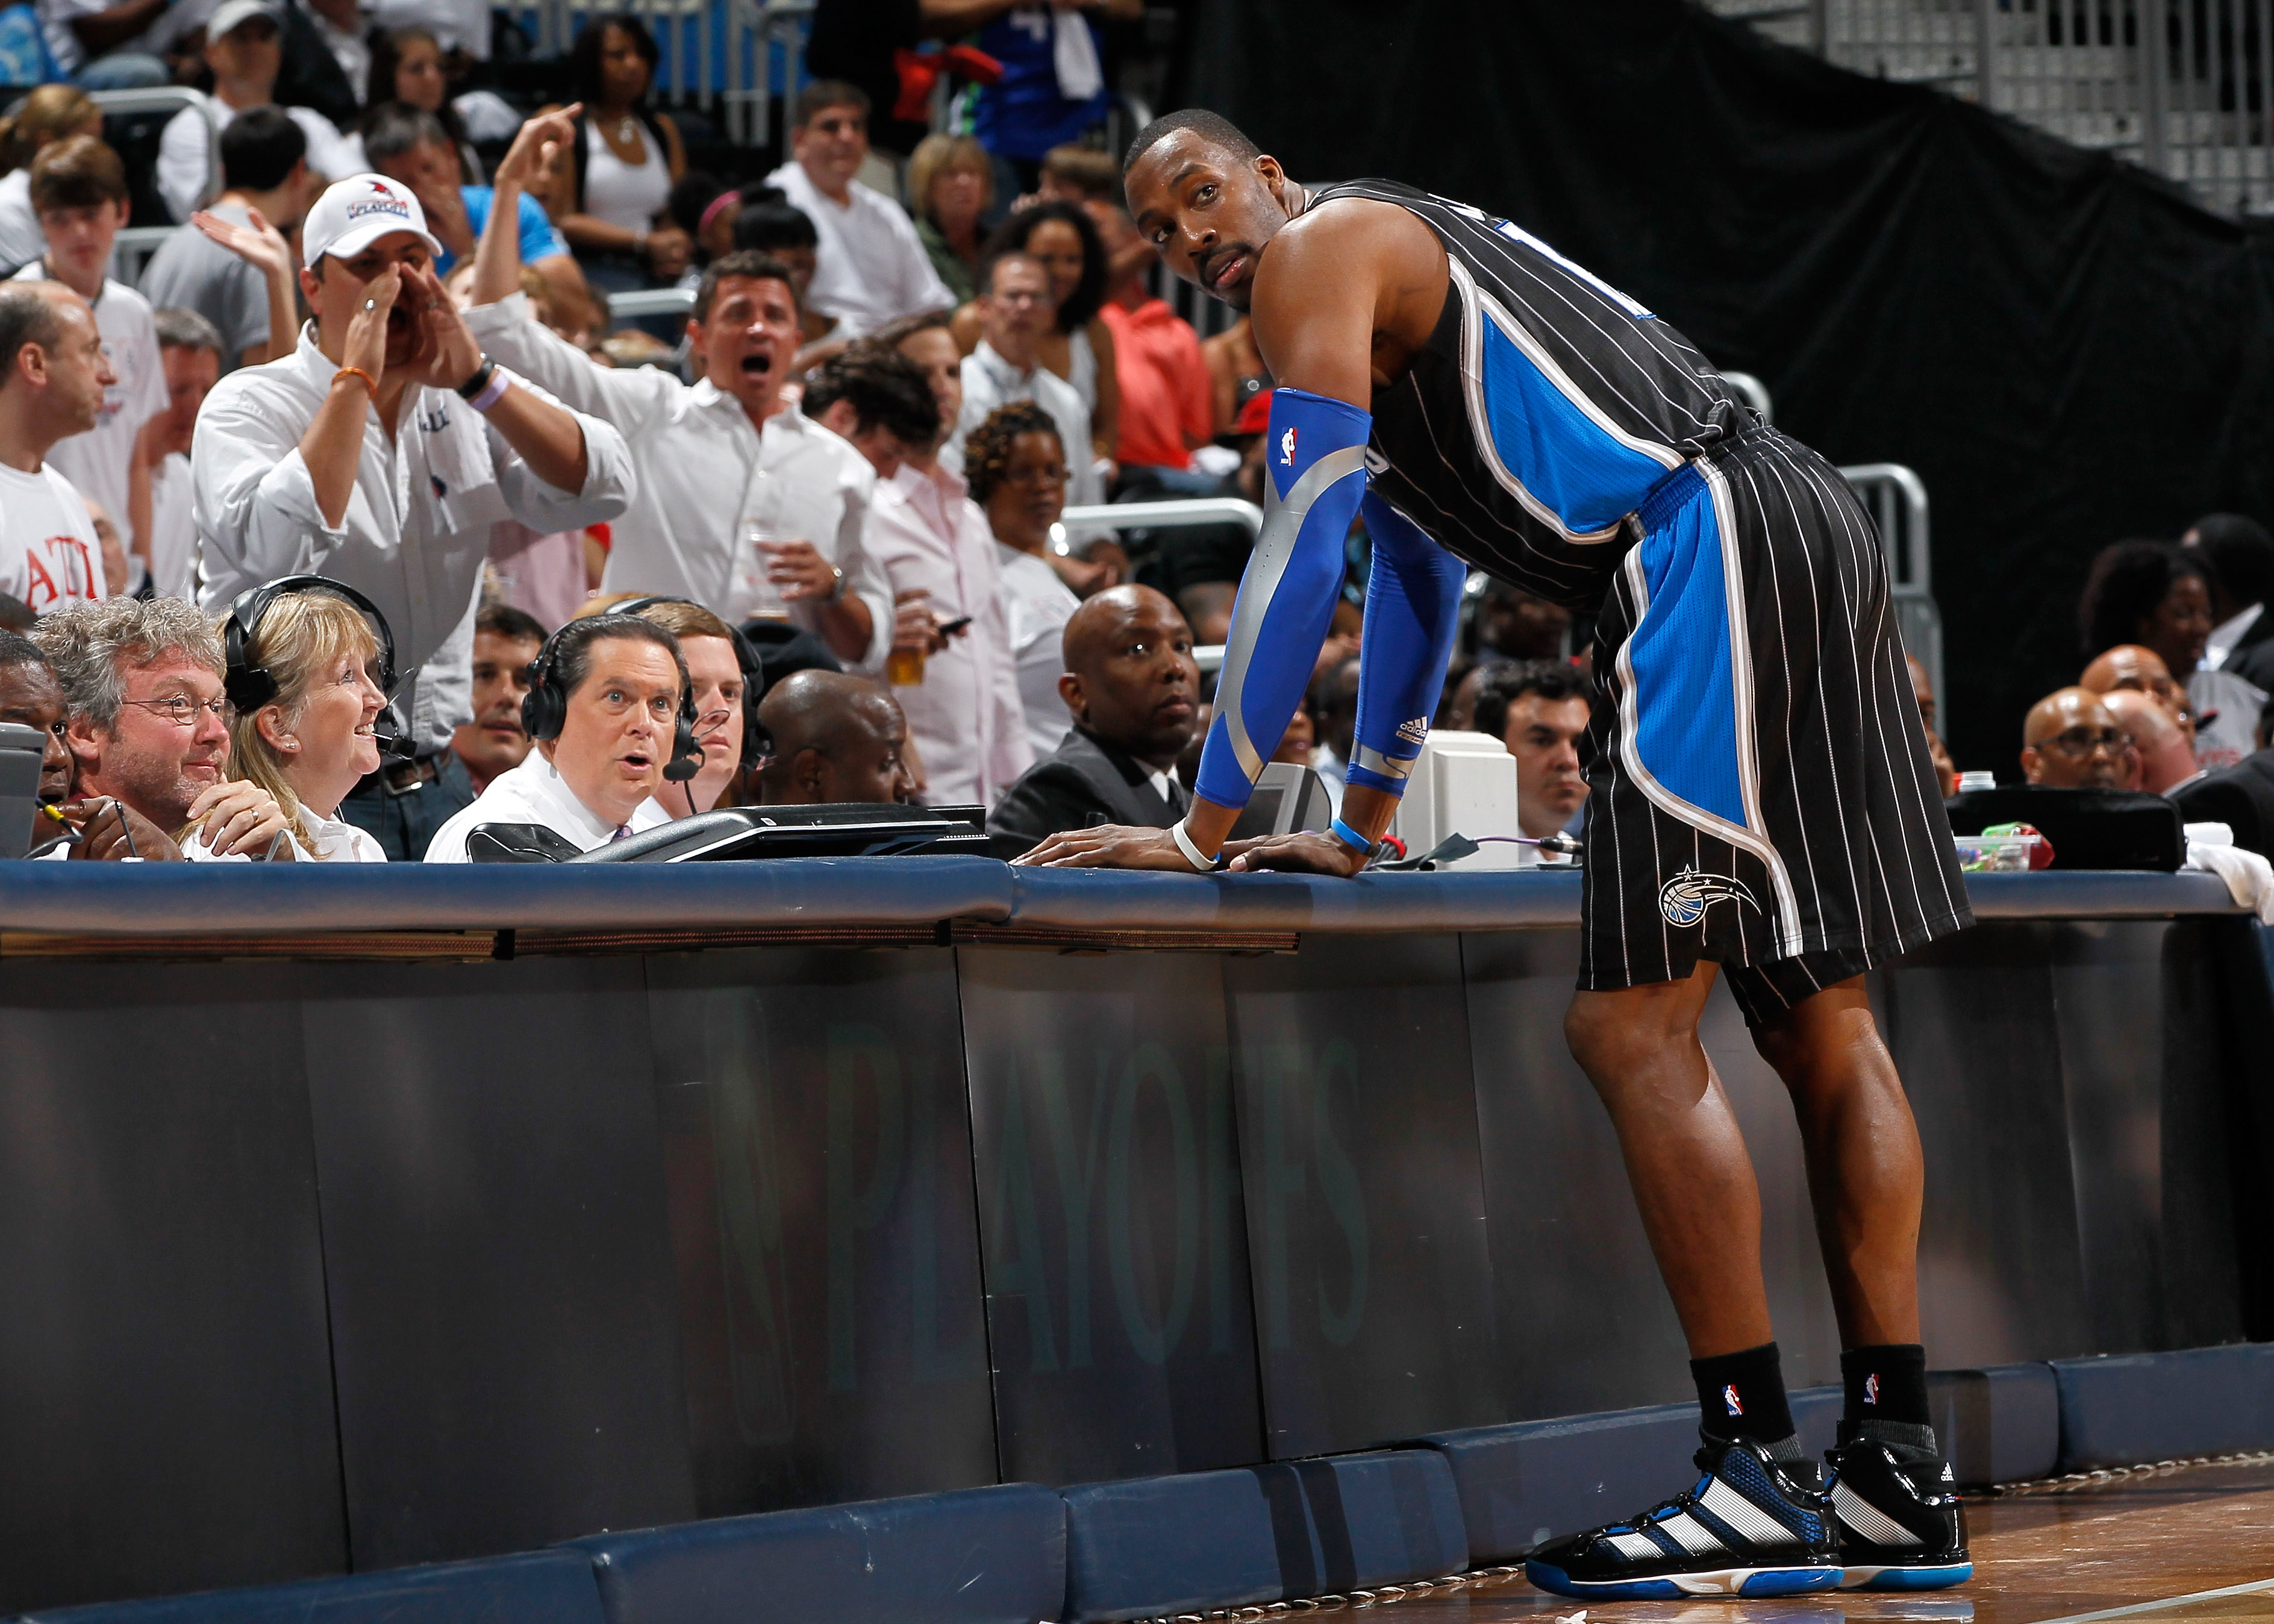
1753,1526
1900,1522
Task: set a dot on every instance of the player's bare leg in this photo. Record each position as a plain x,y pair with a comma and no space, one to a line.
1865,1173
1686,1157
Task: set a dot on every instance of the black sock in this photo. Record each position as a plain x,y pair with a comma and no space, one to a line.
1742,1395
1887,1395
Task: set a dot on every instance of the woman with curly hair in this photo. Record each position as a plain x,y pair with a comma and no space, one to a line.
2157,595
1016,469
1079,347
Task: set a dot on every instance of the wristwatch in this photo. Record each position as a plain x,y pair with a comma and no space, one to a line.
479,381
837,590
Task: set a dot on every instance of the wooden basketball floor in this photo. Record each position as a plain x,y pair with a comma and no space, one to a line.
2186,1544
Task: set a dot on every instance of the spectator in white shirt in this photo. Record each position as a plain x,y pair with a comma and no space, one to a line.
305,705
871,266
143,680
380,453
604,708
1017,469
78,190
243,50
962,706
751,508
189,350
53,385
48,114
1015,310
234,269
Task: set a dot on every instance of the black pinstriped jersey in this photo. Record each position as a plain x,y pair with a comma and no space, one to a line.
1541,412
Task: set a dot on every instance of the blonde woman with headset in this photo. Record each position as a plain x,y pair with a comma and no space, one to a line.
306,723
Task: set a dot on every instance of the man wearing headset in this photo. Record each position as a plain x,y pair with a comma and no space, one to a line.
607,702
380,453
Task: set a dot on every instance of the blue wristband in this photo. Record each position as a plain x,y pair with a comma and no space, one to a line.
1350,837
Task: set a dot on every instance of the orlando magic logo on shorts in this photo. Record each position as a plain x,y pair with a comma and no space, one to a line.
1684,899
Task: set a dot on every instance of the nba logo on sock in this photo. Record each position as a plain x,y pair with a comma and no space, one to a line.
1871,1388
1287,448
1730,1397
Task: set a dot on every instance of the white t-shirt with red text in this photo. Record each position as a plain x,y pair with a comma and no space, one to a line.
48,553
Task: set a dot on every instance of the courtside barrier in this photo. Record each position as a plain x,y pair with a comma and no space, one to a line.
545,1587
2001,1424
979,1556
103,899
2144,1407
364,1217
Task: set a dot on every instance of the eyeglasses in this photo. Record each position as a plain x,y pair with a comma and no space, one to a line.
2081,741
1049,473
182,710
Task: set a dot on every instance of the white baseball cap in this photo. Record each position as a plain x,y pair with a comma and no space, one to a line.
229,13
355,213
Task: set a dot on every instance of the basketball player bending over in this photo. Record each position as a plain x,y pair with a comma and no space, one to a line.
1760,797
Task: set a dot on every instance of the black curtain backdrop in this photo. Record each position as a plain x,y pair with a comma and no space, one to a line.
2067,351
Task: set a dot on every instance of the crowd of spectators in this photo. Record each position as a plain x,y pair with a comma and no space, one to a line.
352,530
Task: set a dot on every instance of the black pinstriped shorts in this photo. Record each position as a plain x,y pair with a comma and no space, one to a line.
1760,791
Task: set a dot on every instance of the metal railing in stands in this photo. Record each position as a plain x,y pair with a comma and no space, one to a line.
2184,87
136,245
1896,497
1170,516
651,302
171,99
728,58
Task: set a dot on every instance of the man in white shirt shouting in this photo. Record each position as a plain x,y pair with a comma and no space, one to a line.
751,508
380,453
52,378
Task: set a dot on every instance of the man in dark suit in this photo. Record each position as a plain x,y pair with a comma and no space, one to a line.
2241,796
1134,693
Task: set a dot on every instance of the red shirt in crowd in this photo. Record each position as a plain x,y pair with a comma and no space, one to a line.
1164,385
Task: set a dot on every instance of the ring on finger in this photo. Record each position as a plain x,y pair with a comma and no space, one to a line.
371,304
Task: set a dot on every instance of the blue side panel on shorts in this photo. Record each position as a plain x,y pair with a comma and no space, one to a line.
1685,704
1567,460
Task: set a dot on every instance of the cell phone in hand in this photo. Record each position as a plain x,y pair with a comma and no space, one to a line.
948,629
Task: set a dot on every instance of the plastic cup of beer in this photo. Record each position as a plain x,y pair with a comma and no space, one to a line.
905,666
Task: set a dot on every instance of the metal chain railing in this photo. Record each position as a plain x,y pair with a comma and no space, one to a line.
2184,87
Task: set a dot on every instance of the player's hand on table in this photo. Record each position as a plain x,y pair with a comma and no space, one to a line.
1302,852
1114,845
238,818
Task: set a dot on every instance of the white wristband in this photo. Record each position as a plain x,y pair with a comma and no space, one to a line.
1200,864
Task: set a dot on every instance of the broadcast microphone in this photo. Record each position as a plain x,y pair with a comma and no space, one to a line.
387,729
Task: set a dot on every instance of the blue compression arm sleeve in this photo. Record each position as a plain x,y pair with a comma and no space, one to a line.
1413,609
1315,458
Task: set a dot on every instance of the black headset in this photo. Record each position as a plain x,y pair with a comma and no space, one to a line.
249,687
757,741
545,708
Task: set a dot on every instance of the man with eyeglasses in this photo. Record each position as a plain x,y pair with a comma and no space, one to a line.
2070,741
1015,311
148,729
